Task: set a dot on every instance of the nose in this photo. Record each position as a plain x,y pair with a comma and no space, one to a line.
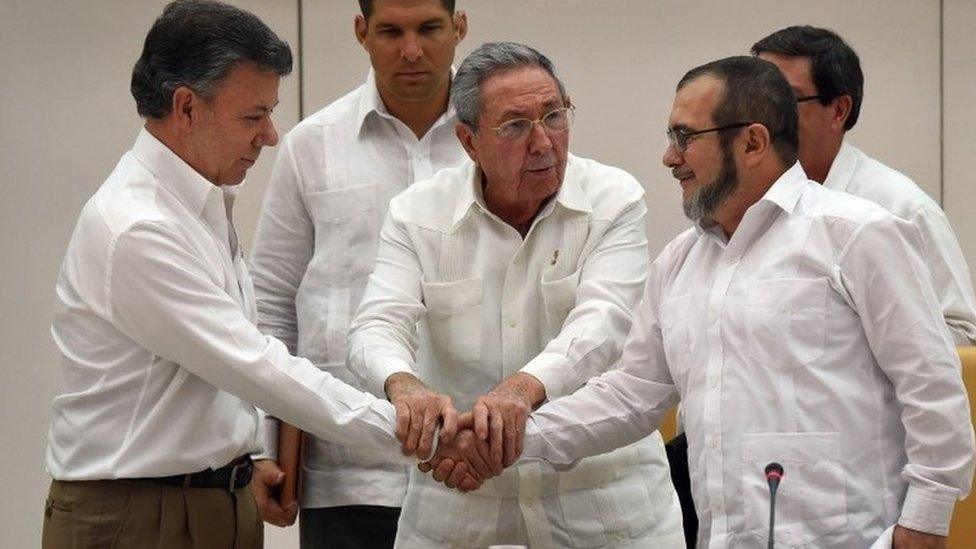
672,157
411,48
268,136
539,141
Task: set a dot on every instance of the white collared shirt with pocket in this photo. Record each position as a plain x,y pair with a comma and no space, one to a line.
811,338
462,300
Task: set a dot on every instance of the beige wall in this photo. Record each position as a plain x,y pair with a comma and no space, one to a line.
66,117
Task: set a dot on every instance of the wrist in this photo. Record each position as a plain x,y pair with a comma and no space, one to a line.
399,383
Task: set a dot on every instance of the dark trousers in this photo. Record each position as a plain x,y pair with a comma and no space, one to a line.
349,527
123,513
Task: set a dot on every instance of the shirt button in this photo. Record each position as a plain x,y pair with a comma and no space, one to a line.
512,324
712,443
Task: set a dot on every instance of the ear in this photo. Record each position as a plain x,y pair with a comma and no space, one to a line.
841,110
186,108
467,138
757,145
460,26
360,27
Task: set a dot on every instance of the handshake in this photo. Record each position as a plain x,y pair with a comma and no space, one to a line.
474,446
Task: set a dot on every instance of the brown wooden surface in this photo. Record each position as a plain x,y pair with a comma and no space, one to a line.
962,531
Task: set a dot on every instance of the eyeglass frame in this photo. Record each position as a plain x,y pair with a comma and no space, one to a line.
568,109
674,133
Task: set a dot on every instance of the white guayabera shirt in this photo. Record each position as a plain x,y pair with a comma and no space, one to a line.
856,173
812,338
556,304
315,247
154,320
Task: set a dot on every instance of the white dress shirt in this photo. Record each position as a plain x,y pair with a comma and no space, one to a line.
858,174
556,304
315,246
154,321
812,338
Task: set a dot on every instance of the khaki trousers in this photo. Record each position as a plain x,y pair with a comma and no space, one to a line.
121,514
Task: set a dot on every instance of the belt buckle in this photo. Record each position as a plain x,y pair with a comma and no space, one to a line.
233,476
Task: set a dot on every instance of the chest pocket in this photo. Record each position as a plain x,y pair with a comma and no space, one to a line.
346,228
454,320
787,320
559,298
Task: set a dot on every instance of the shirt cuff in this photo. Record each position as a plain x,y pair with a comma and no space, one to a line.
927,511
531,442
551,370
268,435
382,369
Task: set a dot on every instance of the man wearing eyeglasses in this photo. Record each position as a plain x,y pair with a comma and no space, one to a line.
315,245
826,77
797,325
515,275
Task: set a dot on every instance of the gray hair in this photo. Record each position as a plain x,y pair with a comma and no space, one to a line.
195,43
488,60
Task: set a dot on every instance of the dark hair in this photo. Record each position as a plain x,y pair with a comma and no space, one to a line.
488,60
195,43
835,67
366,6
754,91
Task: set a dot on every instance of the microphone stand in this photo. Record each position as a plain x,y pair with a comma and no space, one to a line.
774,472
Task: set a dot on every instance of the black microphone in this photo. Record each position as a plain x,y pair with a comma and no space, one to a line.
774,473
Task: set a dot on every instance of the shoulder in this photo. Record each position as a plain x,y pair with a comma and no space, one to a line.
608,189
431,203
889,188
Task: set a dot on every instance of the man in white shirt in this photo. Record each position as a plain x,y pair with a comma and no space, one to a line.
825,74
163,364
515,276
316,243
797,325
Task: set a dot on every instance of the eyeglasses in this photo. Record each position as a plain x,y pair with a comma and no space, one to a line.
556,120
678,138
809,98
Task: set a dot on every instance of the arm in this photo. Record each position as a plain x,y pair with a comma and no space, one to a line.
383,343
611,278
164,298
617,408
913,348
950,274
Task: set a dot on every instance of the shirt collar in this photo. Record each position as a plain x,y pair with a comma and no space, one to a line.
842,168
570,194
175,174
784,193
370,102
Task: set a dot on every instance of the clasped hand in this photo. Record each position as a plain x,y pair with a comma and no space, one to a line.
480,443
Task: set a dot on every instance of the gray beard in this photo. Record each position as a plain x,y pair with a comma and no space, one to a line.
706,199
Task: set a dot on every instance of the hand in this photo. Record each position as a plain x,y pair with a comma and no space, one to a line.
905,538
418,410
463,463
266,479
501,413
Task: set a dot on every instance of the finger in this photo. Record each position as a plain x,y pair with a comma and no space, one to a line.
468,484
481,420
495,440
402,421
519,438
450,422
485,452
466,420
424,466
443,470
273,513
456,475
480,465
510,436
291,513
413,433
427,433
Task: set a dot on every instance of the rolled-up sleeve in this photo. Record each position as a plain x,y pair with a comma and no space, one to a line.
883,272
